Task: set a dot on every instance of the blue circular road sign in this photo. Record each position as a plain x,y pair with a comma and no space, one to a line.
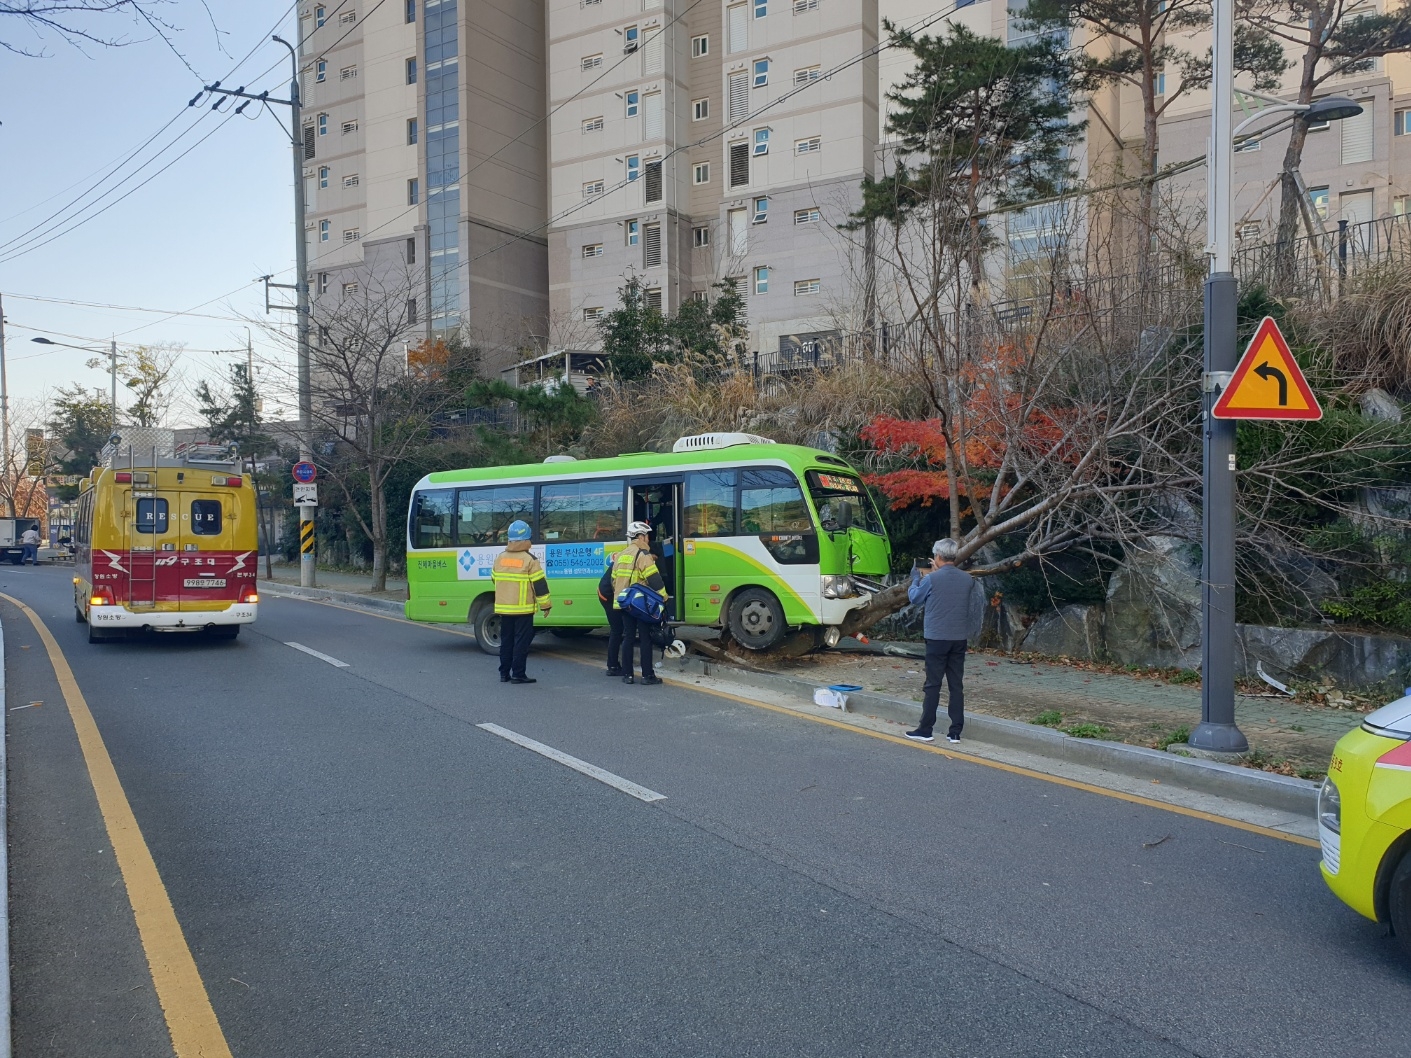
305,472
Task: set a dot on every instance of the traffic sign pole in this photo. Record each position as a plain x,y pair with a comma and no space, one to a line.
305,472
1217,731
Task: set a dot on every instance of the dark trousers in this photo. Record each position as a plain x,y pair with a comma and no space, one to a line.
614,634
639,632
516,633
945,658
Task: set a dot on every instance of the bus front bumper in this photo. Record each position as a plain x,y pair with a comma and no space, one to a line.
171,620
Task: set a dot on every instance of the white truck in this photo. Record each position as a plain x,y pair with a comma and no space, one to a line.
11,532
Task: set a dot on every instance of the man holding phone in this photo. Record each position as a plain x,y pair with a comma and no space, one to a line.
954,612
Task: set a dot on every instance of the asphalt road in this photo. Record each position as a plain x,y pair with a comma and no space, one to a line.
359,869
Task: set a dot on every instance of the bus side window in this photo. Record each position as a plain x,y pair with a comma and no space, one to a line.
431,518
577,511
772,502
484,514
710,502
205,517
152,516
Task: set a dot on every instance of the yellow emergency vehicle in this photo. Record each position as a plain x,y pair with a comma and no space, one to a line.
1364,819
165,541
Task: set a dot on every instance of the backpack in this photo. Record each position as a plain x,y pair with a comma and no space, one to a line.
643,604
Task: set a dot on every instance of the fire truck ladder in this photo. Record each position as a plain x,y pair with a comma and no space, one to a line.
142,583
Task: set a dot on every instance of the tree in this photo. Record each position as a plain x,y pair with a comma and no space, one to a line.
704,333
975,122
375,403
27,463
70,20
554,417
80,423
233,415
1131,44
1337,37
153,374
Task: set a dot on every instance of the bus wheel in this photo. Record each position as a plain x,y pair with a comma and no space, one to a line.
756,619
570,633
1399,903
486,624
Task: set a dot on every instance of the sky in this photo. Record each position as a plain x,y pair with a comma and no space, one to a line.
191,242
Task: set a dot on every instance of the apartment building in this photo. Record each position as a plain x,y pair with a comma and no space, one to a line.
425,163
694,142
1356,170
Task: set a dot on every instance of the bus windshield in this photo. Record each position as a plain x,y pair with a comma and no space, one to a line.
831,491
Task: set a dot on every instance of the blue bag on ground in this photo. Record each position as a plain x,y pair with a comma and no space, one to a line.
643,603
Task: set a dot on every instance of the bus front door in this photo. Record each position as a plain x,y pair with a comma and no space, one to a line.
658,503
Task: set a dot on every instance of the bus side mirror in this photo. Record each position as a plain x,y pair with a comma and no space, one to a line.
844,516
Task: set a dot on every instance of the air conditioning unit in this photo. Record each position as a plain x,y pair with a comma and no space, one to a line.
702,441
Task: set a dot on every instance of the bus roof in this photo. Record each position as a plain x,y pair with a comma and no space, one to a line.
796,456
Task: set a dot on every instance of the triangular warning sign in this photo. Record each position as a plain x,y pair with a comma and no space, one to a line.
1268,383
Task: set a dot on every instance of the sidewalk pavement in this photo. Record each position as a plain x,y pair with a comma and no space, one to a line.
337,580
1135,709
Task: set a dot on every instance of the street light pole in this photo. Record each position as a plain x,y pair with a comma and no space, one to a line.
5,418
1217,731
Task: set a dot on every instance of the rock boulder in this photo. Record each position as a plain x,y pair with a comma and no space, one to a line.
1153,605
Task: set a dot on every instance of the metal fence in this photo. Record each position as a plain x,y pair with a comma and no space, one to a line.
1319,267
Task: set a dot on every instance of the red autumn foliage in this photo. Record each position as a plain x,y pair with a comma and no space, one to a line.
993,414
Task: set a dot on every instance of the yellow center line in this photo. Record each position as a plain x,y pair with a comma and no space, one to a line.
984,762
195,1031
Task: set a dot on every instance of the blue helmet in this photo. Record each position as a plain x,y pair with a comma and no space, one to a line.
520,530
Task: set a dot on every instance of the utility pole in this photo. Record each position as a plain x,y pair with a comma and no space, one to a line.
1216,731
10,481
301,282
113,382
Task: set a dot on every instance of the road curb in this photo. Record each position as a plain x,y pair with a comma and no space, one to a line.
343,598
1266,789
4,858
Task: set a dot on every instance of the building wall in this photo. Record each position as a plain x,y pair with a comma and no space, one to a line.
445,170
599,176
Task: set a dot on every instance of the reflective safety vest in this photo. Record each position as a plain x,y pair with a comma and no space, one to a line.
520,584
634,567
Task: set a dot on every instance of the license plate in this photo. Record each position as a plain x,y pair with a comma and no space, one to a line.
203,582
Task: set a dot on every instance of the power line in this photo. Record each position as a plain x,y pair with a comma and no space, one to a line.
115,168
127,308
23,250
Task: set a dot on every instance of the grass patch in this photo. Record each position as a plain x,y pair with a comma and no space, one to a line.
1181,734
1186,676
1048,718
1087,731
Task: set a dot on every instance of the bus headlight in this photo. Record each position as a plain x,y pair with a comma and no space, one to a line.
1330,806
838,587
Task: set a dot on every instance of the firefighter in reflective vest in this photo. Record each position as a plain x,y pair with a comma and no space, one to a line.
636,565
520,588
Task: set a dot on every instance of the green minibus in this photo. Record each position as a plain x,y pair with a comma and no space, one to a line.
756,537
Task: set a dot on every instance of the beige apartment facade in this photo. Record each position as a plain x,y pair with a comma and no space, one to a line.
695,143
424,166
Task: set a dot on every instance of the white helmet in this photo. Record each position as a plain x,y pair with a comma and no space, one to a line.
638,529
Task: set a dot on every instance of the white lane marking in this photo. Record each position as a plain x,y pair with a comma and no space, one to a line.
318,654
617,782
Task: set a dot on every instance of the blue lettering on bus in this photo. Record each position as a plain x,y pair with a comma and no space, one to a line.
573,560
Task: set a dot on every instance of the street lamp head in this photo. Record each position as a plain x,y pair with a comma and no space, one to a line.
1331,108
43,341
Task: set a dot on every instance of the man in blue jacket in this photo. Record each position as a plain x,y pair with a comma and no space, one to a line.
955,612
